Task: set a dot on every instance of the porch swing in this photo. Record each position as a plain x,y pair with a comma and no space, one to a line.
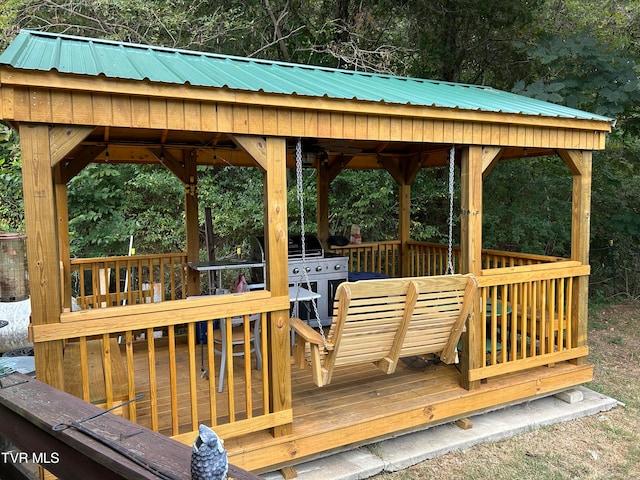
382,320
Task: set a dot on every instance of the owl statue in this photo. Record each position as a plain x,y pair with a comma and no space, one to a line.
208,456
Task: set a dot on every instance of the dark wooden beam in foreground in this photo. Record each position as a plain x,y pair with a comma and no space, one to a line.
29,410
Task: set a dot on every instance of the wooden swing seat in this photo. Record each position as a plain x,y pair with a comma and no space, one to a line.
381,321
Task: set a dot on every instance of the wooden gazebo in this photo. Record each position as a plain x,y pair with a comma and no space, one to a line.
79,100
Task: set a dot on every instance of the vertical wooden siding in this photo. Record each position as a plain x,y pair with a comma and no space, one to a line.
140,111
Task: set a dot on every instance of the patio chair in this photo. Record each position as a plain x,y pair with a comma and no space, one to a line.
237,340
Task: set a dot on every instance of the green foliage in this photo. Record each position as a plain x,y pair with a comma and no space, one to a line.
527,207
11,200
97,223
430,207
368,199
235,196
580,72
187,24
469,41
615,219
109,203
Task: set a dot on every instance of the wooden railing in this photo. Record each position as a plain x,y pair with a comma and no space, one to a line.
432,259
378,257
528,317
119,281
426,259
114,354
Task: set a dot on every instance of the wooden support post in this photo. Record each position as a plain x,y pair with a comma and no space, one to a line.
580,165
276,237
404,173
192,223
471,255
404,227
43,254
322,210
63,238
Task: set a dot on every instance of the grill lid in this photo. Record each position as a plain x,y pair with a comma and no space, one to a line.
313,247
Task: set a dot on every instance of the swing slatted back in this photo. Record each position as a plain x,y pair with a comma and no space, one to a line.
441,310
369,314
381,321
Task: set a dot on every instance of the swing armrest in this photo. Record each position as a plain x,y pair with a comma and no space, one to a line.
307,333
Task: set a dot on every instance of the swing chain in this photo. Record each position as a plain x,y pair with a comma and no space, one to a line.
299,191
452,156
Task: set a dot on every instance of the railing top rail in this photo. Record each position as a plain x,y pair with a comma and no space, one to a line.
157,315
365,244
525,256
124,258
529,273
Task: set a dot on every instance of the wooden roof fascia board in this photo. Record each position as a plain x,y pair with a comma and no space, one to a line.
38,79
6,103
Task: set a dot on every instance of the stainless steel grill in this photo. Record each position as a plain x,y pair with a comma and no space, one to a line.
325,272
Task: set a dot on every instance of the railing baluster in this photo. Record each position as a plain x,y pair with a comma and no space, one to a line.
153,387
229,368
173,380
84,369
265,364
193,375
212,375
130,375
569,313
247,365
106,365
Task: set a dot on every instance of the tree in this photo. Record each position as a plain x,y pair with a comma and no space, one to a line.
580,72
198,24
469,41
11,202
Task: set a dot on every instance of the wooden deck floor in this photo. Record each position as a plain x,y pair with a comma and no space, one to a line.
360,406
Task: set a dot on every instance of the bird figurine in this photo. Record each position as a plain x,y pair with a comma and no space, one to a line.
208,456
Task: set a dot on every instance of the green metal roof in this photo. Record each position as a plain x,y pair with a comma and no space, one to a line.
94,57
